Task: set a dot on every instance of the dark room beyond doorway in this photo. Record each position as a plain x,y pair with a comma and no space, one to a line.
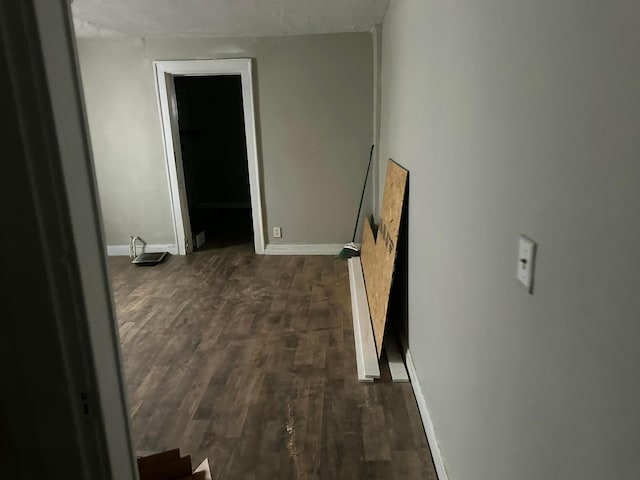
214,156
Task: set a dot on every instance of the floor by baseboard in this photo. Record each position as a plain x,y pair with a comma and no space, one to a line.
438,461
303,249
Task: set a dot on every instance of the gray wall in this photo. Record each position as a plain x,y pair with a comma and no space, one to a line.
521,117
314,110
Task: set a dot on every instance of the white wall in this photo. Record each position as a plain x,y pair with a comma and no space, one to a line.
521,117
314,110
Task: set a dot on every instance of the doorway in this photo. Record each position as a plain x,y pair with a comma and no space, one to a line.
208,123
214,159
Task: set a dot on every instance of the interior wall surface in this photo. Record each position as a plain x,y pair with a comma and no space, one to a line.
521,118
313,111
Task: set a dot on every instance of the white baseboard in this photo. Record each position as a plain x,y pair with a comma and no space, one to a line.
438,461
123,250
303,249
272,249
365,347
397,367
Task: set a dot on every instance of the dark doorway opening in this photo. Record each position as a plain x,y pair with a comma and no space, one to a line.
214,157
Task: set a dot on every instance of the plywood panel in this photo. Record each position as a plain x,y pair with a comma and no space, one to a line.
379,252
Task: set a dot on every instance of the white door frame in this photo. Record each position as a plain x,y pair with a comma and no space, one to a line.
165,71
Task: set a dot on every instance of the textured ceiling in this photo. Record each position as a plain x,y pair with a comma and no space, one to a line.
148,18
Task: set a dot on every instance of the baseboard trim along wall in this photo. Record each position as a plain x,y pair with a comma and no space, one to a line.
367,365
303,249
438,462
271,249
123,250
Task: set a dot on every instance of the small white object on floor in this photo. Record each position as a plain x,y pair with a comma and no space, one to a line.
204,467
396,364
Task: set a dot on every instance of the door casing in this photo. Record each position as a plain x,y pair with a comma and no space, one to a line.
165,73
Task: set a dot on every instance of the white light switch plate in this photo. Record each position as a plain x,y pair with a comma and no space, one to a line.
526,262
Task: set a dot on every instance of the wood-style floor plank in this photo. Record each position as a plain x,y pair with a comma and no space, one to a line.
248,360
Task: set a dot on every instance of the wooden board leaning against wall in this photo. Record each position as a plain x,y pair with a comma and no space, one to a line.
378,253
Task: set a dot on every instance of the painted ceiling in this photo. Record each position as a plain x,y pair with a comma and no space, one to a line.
153,18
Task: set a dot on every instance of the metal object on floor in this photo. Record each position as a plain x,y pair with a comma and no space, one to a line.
149,259
144,259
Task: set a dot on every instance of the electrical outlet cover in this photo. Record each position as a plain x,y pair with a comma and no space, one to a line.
526,262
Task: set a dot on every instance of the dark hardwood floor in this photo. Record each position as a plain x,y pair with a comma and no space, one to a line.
249,360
